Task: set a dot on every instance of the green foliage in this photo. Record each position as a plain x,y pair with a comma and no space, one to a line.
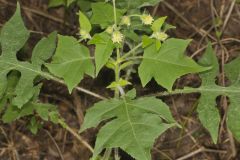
18,92
208,113
85,5
55,3
133,4
84,23
71,61
233,119
131,123
103,50
103,14
169,57
157,24
12,42
132,118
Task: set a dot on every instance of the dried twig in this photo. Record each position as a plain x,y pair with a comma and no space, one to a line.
228,15
55,143
200,150
76,135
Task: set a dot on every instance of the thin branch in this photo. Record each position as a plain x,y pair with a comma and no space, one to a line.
76,135
90,93
228,15
55,143
200,150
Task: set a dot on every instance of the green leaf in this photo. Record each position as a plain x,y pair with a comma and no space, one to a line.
69,2
147,41
71,61
232,70
130,119
208,113
167,27
103,50
84,22
44,49
158,44
12,113
170,57
56,3
54,117
43,110
157,24
12,42
85,5
34,125
130,34
120,83
132,4
103,14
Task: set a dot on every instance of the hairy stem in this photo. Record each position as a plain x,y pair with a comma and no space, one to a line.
107,153
114,12
131,51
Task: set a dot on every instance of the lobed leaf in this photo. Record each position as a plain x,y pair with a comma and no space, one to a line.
71,61
170,57
133,124
208,113
11,43
232,70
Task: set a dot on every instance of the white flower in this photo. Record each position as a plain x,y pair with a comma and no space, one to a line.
109,30
160,36
126,20
147,19
117,37
84,34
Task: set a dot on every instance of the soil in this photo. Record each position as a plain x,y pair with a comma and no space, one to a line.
193,20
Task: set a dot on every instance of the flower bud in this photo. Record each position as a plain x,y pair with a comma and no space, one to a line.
109,30
160,36
117,37
147,19
126,21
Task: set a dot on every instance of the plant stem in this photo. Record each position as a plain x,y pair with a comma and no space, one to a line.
114,12
76,135
117,73
107,153
131,51
116,95
50,77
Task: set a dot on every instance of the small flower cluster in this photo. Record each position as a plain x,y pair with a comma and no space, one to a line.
126,21
161,36
117,37
147,19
